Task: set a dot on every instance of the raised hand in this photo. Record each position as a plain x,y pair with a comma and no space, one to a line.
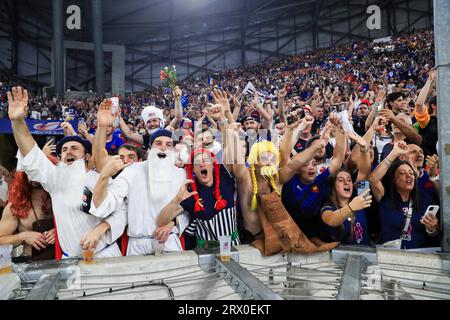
68,129
379,123
215,111
432,74
184,193
49,147
432,164
281,94
82,127
114,165
177,93
105,117
358,139
364,200
388,114
221,98
400,148
17,103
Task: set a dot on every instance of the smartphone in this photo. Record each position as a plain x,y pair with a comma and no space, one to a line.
114,109
378,109
433,210
362,186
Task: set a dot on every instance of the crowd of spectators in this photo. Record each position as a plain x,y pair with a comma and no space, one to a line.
347,135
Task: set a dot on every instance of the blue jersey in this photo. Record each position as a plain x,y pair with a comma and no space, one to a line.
360,230
303,202
114,144
393,222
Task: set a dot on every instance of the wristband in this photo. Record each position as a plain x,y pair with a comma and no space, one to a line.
350,208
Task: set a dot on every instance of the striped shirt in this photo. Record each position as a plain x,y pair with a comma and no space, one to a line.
222,224
210,224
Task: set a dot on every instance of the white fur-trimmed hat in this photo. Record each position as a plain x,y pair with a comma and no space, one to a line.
151,112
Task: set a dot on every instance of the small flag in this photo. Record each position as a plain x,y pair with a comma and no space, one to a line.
210,81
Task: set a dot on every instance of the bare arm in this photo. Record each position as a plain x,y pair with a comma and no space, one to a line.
425,92
281,95
378,174
17,112
112,166
338,152
8,226
178,109
173,208
288,171
133,136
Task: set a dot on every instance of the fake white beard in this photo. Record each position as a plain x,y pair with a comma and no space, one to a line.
160,173
73,179
150,132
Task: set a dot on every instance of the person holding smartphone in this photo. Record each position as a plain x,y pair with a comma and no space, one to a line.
395,186
343,216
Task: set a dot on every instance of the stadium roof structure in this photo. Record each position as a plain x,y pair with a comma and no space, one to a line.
205,36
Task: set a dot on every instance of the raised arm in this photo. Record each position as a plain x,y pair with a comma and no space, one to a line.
267,117
409,132
339,149
379,101
355,160
281,95
133,136
400,148
112,166
300,159
17,112
178,109
425,92
221,97
105,118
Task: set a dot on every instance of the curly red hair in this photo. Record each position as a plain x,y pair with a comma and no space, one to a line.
20,195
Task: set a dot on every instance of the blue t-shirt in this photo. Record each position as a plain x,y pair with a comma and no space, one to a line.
393,221
114,144
303,202
360,230
426,187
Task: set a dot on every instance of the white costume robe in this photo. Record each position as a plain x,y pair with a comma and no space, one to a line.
71,222
133,186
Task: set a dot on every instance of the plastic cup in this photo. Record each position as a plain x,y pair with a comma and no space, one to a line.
158,247
5,258
88,256
225,248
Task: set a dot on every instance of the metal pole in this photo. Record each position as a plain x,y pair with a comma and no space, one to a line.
97,23
58,51
442,56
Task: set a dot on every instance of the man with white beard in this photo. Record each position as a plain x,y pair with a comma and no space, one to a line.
154,120
69,183
147,187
